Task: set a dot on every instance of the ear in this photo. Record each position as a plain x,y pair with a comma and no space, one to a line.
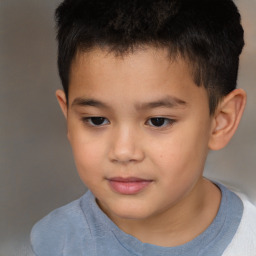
61,97
226,119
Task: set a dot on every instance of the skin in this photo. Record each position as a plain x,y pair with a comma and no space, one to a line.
177,204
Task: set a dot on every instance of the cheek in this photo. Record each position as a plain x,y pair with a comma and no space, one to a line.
182,154
88,156
179,166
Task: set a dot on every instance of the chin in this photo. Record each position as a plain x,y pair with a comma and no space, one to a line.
129,213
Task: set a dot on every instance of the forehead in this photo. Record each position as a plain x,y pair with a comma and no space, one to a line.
147,72
141,57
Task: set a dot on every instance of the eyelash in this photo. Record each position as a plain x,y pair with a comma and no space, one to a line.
89,120
166,122
105,121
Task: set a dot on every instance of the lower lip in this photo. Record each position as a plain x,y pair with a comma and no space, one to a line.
129,187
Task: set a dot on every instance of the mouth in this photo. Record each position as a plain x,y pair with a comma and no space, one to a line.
128,186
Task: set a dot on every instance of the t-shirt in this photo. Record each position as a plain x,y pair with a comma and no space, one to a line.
82,228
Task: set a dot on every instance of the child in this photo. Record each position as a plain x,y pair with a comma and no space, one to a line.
149,89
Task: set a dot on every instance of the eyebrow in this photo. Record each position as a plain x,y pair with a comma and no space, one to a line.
167,102
83,102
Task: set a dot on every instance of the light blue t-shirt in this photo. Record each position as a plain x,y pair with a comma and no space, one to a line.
81,228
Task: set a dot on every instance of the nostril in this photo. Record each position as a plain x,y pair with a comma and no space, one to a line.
126,155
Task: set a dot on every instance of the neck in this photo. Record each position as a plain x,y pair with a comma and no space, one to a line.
179,224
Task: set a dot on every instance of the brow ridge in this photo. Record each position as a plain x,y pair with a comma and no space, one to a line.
89,102
168,102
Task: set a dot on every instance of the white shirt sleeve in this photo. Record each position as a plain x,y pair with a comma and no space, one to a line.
244,241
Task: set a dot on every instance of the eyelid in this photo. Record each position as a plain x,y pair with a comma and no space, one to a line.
88,121
170,122
167,121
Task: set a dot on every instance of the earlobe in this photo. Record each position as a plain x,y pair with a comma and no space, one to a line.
226,119
61,97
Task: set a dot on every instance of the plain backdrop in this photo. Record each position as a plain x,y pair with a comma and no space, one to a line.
37,170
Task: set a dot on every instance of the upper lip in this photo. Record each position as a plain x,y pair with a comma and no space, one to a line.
128,179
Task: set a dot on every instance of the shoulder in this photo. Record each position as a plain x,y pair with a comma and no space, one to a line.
244,241
247,226
59,219
51,234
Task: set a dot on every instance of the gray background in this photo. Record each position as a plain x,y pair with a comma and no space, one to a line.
37,169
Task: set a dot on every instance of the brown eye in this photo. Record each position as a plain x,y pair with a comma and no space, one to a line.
157,121
96,120
160,121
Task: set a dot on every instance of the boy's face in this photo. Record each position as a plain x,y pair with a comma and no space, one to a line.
139,128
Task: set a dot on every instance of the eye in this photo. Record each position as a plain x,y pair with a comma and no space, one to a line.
160,121
96,120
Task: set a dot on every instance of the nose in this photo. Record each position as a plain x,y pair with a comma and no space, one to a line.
126,146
